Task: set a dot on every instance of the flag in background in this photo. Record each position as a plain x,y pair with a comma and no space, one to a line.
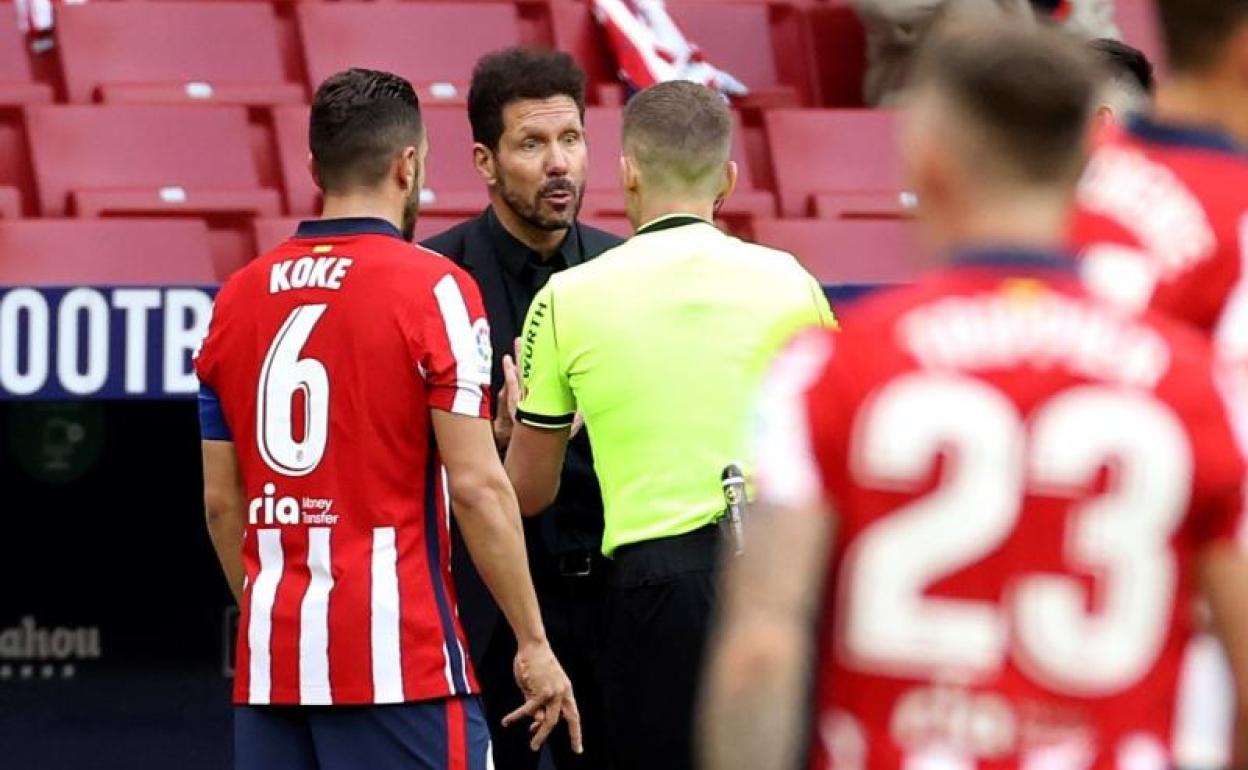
649,48
35,20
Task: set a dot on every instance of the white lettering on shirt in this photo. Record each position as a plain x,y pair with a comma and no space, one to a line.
309,273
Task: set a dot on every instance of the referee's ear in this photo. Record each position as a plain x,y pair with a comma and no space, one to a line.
483,161
728,184
630,178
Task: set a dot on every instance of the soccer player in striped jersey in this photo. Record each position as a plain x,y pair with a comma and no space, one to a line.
344,417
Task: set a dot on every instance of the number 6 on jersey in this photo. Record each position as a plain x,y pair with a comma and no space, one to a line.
284,376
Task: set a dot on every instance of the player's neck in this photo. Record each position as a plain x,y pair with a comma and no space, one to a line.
1038,222
650,209
361,206
1203,103
544,242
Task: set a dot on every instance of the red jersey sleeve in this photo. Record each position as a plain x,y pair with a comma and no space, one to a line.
454,353
210,350
793,425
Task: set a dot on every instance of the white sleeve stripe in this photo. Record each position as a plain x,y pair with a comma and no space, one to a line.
787,472
468,378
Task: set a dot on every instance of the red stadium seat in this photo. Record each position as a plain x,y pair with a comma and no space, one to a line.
602,130
16,84
762,44
452,185
839,47
290,127
1137,20
831,152
433,44
106,252
846,251
141,159
223,52
10,203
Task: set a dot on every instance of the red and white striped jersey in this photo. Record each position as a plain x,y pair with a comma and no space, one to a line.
327,355
1023,479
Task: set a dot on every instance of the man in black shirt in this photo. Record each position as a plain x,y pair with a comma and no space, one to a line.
527,113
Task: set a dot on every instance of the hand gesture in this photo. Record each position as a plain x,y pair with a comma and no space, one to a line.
508,399
547,696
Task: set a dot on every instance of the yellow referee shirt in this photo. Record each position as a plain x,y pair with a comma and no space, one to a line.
660,344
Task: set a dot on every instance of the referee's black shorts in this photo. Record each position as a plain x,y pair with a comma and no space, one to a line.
658,615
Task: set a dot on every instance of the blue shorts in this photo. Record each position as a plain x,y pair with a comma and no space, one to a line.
436,735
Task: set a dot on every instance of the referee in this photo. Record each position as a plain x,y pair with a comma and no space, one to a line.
659,345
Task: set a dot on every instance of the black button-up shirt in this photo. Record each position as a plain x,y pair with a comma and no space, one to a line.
574,522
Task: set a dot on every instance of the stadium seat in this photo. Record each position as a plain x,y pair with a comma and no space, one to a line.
145,159
108,252
846,251
432,44
831,152
16,84
839,52
603,197
1137,20
10,202
223,52
452,185
762,44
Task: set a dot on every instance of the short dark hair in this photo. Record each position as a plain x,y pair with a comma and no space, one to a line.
360,120
680,132
1125,62
1028,92
1196,31
517,73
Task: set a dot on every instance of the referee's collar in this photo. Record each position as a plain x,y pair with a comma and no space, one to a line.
346,226
670,222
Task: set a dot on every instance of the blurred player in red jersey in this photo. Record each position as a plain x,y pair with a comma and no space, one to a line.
344,417
987,503
1163,223
1162,206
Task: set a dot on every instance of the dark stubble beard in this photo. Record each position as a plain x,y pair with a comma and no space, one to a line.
531,210
411,212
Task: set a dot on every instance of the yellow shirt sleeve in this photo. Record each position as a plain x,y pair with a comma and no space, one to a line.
823,311
547,401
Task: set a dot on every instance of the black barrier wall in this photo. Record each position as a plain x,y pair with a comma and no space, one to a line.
112,608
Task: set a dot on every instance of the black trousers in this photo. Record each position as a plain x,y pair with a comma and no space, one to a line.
572,613
659,605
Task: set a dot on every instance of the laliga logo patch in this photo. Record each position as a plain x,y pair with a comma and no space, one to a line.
485,350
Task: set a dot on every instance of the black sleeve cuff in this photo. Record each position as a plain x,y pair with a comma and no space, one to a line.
545,421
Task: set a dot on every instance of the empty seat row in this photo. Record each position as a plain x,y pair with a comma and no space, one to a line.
240,52
146,251
93,160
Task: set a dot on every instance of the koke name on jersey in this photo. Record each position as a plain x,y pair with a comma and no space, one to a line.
309,273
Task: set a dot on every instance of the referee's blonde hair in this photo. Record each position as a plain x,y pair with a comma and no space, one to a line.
679,135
